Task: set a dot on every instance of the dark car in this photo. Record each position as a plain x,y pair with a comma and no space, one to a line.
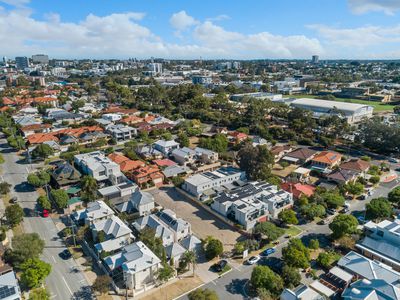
219,266
66,254
362,197
13,200
330,211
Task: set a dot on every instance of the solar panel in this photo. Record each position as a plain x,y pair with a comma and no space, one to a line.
6,291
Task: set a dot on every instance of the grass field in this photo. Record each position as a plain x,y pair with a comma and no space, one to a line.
293,231
378,107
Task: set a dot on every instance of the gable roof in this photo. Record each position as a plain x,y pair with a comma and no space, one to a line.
356,165
327,157
302,153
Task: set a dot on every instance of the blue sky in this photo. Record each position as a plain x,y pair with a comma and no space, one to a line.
210,29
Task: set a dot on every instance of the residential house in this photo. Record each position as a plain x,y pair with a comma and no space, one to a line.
298,189
302,292
280,151
365,289
251,203
357,165
325,161
138,264
35,128
9,288
382,242
165,147
121,132
148,152
184,156
178,226
94,212
100,167
118,192
198,184
192,243
174,171
138,201
126,165
65,175
161,230
147,175
300,156
237,137
343,176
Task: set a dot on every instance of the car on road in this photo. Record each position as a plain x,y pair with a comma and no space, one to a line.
345,210
323,222
330,211
219,266
362,197
45,213
66,254
268,251
253,260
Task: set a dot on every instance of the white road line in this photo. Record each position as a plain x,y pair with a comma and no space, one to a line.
66,284
54,259
53,296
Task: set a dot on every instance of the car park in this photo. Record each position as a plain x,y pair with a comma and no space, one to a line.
253,260
219,266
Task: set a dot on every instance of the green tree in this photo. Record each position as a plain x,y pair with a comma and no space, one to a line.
165,272
4,188
14,214
354,189
313,244
44,202
295,254
77,104
42,151
203,294
269,230
34,272
25,246
148,237
312,211
264,277
288,216
394,195
39,294
213,248
39,179
333,199
291,276
326,259
88,188
374,179
342,225
60,197
102,284
256,161
378,208
183,140
17,142
190,259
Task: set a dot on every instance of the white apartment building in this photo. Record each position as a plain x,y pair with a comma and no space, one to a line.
121,132
99,166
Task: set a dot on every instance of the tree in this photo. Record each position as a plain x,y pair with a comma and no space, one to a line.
190,258
346,242
203,294
264,277
25,246
313,244
256,161
218,143
34,272
44,202
39,179
183,140
374,179
77,104
148,237
213,248
312,211
295,254
342,225
39,294
378,208
2,161
88,188
326,259
5,188
288,216
354,189
17,142
394,195
42,151
291,276
14,214
60,197
102,284
165,272
269,230
333,199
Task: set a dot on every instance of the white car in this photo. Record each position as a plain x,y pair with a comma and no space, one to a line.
253,260
393,160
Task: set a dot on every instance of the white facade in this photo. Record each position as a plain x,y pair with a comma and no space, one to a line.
165,147
121,132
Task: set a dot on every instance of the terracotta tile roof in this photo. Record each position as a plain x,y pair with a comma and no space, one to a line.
118,158
39,138
35,127
129,165
238,135
164,162
298,189
43,99
132,119
302,153
327,157
8,101
356,165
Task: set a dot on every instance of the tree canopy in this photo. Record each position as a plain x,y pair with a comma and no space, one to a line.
378,208
256,161
342,225
295,254
34,272
269,230
14,214
264,277
288,216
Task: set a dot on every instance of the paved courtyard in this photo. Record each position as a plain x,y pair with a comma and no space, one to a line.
203,223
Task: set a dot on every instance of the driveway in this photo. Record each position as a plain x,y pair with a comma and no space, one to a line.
203,223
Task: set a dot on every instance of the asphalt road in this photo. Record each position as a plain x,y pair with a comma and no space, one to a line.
65,280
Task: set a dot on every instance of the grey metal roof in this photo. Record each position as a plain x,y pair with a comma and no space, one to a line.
376,289
174,250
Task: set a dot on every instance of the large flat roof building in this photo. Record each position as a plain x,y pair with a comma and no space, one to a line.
352,112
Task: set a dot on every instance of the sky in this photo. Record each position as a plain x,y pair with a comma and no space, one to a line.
210,29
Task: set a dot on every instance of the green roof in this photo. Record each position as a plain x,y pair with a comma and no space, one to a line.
73,190
74,200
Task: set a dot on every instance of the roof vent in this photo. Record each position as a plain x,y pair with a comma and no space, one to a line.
366,281
355,291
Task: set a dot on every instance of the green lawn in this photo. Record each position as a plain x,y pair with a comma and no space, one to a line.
378,107
227,268
292,231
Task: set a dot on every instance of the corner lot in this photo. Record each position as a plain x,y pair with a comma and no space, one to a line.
203,223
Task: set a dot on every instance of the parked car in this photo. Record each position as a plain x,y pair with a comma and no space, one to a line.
268,251
13,200
219,266
345,210
66,254
323,222
330,211
393,160
361,220
362,197
253,260
45,213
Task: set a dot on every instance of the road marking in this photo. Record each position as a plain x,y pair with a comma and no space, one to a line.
212,281
54,259
66,284
53,296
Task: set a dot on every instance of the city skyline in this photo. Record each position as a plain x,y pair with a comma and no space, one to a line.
345,29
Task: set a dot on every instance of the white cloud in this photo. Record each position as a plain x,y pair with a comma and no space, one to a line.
360,37
219,18
389,7
122,35
16,2
182,21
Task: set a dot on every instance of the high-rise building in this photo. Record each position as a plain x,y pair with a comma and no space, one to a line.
22,62
40,58
5,61
155,68
315,59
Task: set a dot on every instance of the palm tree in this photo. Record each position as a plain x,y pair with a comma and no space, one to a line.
190,258
88,188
